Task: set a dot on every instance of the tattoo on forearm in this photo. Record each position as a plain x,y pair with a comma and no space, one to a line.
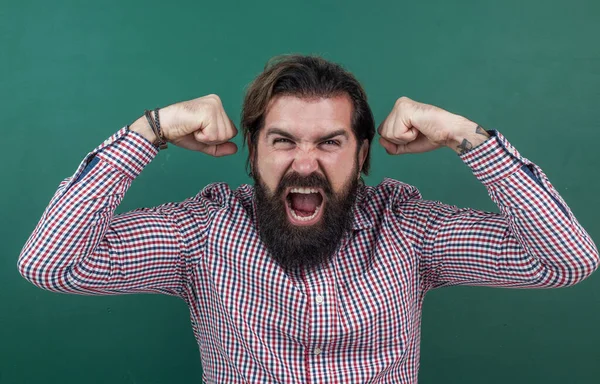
464,146
481,131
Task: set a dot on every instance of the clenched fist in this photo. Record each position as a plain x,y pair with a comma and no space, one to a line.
200,124
414,127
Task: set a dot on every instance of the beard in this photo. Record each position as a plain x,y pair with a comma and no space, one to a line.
298,248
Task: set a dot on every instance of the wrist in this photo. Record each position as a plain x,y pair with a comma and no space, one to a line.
168,120
142,127
466,135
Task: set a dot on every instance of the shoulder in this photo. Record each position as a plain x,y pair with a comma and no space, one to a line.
218,194
376,204
220,197
390,192
402,207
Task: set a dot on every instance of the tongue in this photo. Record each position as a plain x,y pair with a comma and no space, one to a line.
305,203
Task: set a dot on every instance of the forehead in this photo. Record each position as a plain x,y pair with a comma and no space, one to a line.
306,116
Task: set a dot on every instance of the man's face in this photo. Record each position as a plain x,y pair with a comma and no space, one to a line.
306,169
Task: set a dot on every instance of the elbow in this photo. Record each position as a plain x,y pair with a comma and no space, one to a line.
45,274
594,263
28,270
32,270
580,268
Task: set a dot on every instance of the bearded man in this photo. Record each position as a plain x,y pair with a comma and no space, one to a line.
309,275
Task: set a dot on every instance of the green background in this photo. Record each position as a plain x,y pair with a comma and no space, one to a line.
74,72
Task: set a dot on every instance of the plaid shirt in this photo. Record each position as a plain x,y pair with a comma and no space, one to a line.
358,319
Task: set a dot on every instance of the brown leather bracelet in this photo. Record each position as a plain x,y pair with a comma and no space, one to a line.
162,145
160,142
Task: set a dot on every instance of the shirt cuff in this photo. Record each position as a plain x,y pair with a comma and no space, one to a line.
494,159
127,151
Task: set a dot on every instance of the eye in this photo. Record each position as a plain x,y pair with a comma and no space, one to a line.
331,142
282,140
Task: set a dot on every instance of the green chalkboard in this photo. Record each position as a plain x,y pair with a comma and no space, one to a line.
73,72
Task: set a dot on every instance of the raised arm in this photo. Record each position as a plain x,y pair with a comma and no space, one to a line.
79,246
534,242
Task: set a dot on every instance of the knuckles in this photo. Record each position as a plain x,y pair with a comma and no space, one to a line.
410,118
403,101
204,117
214,99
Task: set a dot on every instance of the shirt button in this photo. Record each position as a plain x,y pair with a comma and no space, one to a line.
317,351
319,299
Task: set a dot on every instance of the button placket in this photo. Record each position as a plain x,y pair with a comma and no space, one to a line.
317,286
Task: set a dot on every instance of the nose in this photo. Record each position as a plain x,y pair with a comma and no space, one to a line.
305,162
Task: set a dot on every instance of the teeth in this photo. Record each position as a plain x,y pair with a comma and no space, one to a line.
304,190
302,218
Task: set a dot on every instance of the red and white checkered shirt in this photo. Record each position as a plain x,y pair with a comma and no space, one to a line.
358,319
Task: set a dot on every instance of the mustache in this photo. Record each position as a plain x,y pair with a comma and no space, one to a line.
314,180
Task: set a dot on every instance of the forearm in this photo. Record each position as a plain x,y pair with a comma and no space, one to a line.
76,220
142,127
467,136
535,242
536,216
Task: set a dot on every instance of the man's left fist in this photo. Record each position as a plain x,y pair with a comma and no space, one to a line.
414,127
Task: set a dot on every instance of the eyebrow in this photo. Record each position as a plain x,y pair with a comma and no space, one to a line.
278,131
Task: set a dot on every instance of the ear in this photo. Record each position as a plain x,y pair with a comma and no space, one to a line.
362,154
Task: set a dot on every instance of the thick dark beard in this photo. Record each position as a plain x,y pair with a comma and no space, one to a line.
297,248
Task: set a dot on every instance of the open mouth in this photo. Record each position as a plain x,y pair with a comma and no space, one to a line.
304,206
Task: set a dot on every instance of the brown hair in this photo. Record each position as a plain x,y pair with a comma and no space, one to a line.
305,76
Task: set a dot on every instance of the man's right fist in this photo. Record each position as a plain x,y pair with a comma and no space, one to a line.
200,124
